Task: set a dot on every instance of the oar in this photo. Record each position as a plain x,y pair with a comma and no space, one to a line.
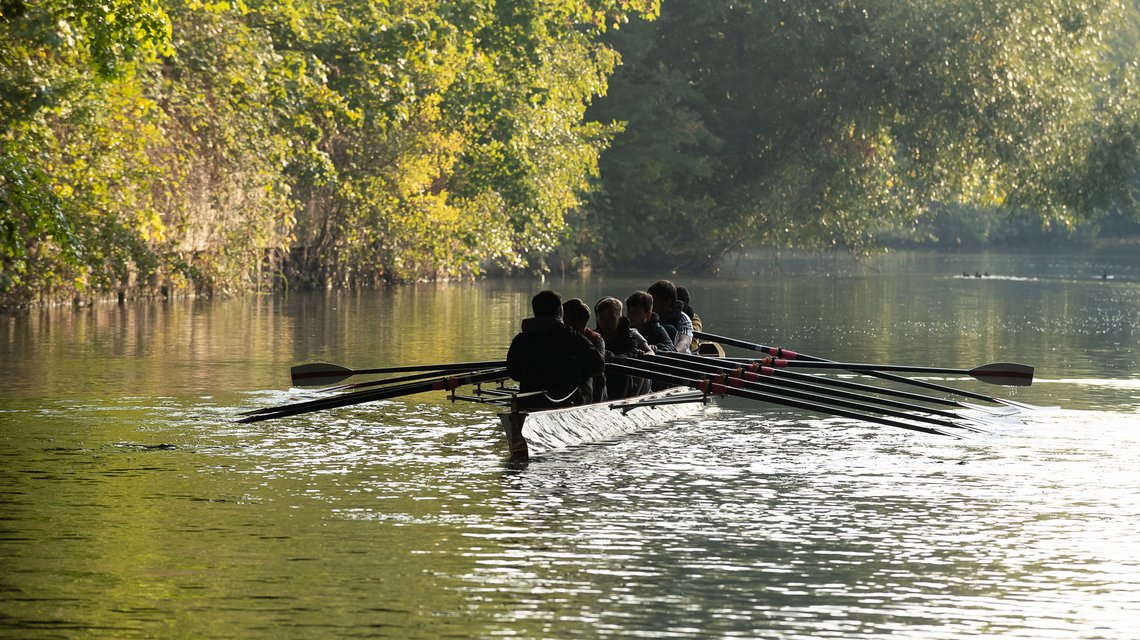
1010,374
359,385
445,383
766,376
657,364
622,365
376,383
780,352
317,374
319,404
756,365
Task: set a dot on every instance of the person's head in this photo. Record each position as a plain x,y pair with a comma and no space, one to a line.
683,296
664,295
576,314
608,312
546,304
638,308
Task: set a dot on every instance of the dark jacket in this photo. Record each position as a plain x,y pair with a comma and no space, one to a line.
623,344
595,386
656,335
549,356
658,338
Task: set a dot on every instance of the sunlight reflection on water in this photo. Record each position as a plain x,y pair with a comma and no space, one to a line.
733,523
821,529
133,506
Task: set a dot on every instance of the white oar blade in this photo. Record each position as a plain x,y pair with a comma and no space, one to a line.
997,411
1029,407
319,374
1008,374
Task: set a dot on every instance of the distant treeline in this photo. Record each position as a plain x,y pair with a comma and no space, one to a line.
969,228
181,145
847,123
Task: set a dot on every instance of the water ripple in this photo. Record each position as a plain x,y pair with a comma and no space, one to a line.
736,523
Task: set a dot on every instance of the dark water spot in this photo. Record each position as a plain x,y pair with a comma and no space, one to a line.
146,447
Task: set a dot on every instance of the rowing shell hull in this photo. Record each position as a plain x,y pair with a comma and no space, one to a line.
569,426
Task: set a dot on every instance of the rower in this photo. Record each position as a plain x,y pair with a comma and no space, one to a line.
576,315
549,356
670,311
620,337
687,307
621,340
639,310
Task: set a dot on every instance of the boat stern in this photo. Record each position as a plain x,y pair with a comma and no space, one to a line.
516,443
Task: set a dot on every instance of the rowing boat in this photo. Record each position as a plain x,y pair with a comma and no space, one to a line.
568,426
697,377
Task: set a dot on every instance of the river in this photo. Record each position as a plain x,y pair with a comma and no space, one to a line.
132,505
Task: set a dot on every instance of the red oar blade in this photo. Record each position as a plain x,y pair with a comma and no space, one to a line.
1009,374
319,374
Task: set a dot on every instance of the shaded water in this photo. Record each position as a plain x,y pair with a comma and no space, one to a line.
132,506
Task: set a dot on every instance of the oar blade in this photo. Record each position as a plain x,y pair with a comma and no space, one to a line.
997,411
446,383
1028,407
319,374
1008,374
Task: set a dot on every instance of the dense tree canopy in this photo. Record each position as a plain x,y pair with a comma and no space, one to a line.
231,144
824,123
240,144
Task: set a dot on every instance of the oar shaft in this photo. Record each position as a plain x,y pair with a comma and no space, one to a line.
859,367
321,404
359,397
361,385
775,352
743,344
386,381
1005,373
845,384
305,373
796,393
933,386
770,377
708,386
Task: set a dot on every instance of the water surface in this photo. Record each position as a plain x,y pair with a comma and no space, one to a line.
131,504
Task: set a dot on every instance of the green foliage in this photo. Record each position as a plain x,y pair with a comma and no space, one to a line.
222,144
452,131
28,209
70,143
820,124
227,145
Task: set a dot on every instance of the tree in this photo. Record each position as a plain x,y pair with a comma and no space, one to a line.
56,56
820,124
453,131
332,143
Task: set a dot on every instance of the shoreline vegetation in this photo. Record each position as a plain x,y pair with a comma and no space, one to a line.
761,260
165,148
